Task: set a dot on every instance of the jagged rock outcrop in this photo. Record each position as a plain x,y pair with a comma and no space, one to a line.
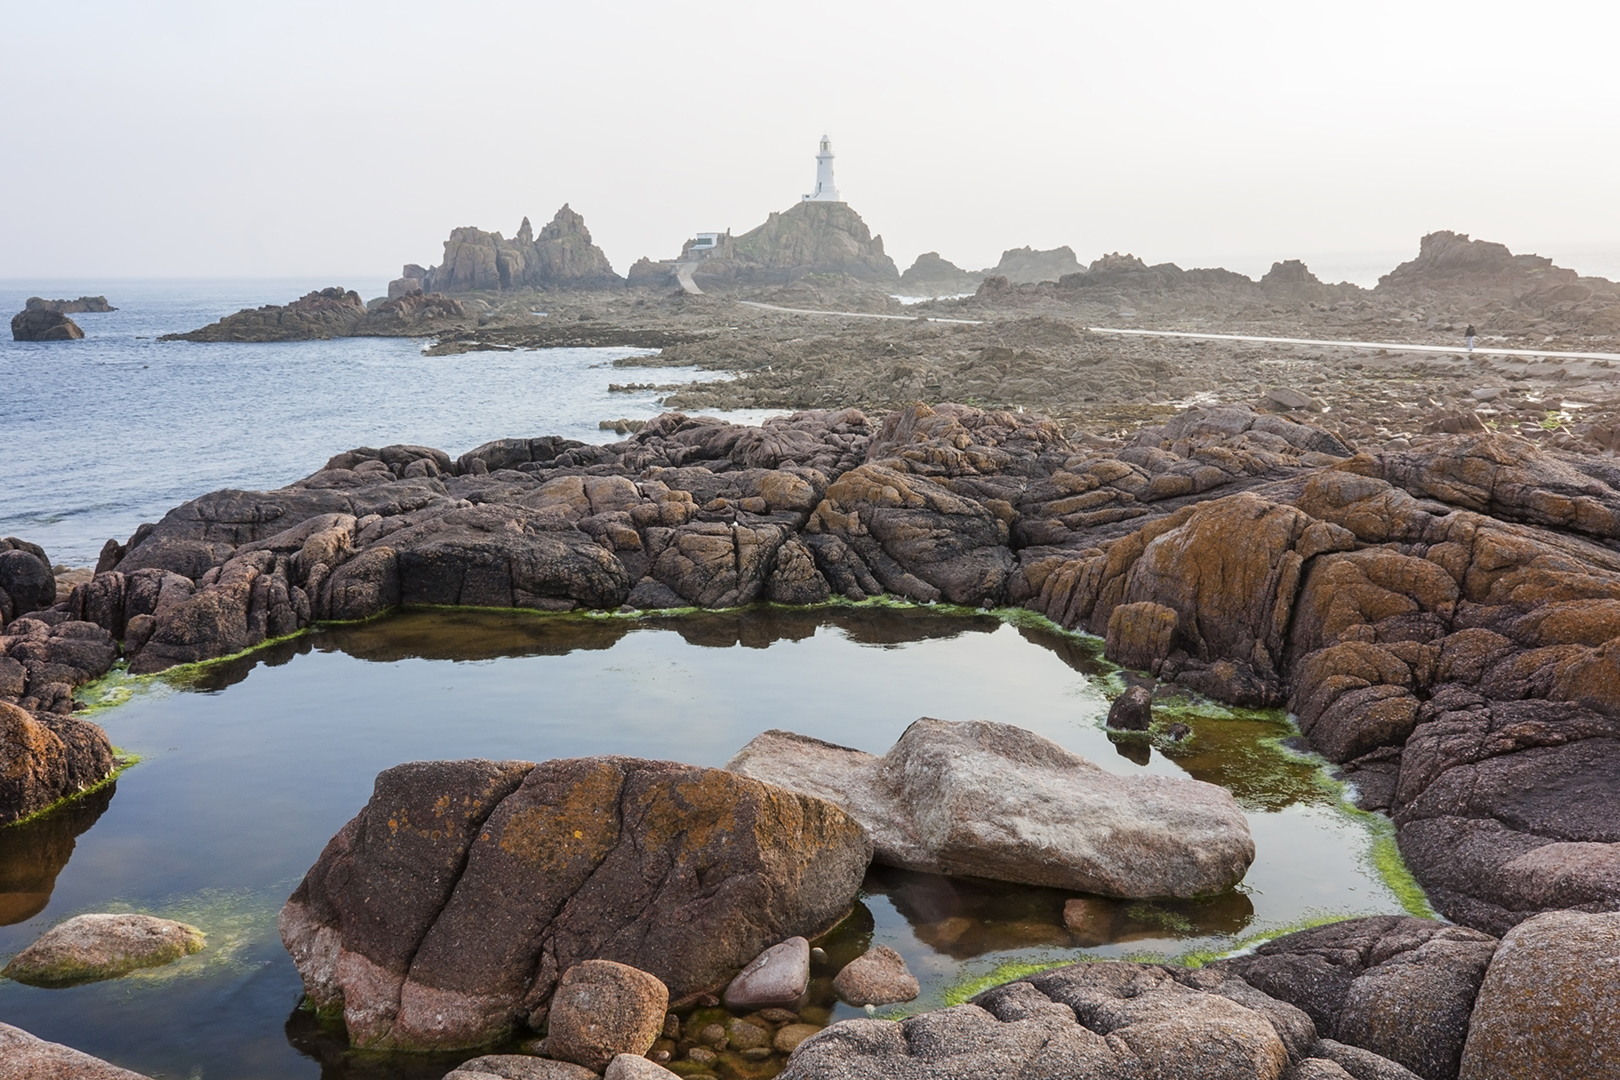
646,274
43,324
1504,292
562,256
445,913
984,800
931,275
807,238
334,313
1027,265
69,307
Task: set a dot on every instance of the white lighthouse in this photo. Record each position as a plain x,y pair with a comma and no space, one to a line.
826,190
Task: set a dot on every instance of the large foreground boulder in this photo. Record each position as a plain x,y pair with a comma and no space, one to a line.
24,1057
988,800
445,913
1549,1002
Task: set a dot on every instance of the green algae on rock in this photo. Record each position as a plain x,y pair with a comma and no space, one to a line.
89,948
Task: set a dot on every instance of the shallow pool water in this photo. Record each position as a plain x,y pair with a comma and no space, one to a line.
249,766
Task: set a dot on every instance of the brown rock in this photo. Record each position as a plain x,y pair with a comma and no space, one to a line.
789,1036
509,874
1141,635
601,1010
44,325
878,976
519,1067
633,1067
46,759
1132,710
1547,1004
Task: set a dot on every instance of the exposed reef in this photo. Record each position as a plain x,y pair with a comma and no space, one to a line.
334,313
69,307
1441,618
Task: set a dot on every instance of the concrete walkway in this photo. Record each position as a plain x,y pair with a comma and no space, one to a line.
857,314
683,274
1393,346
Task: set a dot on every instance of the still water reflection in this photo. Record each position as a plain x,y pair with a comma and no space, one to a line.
250,766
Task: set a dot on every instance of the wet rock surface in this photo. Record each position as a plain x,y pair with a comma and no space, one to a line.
88,948
988,800
776,978
446,912
876,977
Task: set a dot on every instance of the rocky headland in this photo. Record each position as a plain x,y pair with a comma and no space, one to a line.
808,238
334,313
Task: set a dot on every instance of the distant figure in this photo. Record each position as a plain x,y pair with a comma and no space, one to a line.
1469,334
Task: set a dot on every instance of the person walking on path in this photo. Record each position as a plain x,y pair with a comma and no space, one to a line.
1469,334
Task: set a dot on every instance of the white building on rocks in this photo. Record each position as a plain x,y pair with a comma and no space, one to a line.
826,190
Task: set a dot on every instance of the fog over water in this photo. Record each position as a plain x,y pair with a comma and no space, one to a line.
291,138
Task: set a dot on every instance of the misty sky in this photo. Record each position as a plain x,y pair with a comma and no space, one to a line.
339,140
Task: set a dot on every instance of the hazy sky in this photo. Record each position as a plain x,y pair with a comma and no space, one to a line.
340,140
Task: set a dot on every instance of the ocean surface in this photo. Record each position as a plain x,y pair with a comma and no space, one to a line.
99,435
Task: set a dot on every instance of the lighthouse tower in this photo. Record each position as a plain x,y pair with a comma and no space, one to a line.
826,190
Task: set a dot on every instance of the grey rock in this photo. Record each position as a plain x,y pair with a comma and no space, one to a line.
777,977
24,1057
1361,1064
632,1067
991,800
519,1067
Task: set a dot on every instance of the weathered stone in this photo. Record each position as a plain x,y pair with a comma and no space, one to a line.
601,1010
1141,635
23,1057
26,578
44,325
1400,987
878,976
88,948
501,876
519,1067
45,759
635,1067
777,977
956,798
1548,1002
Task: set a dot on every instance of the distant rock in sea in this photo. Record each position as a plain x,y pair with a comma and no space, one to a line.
40,324
561,257
334,313
82,304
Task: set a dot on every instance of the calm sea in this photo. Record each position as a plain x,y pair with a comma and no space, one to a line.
99,435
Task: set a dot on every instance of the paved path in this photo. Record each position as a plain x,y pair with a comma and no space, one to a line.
858,314
683,274
1394,346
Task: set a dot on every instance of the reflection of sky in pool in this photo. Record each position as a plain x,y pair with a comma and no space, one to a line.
249,771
